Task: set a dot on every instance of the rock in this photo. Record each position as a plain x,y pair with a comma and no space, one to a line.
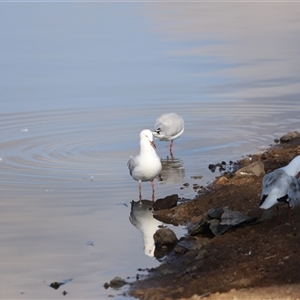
166,203
180,249
212,167
117,282
222,180
217,228
165,236
233,218
201,226
106,285
56,285
289,136
255,169
215,213
218,221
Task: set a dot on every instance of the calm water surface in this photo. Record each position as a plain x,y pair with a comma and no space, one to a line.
79,81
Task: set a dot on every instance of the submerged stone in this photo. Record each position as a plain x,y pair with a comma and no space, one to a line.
117,282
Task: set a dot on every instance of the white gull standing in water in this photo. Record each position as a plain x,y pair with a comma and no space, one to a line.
281,186
168,127
146,165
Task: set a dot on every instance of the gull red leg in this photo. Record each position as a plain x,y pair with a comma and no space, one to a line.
140,190
152,184
170,148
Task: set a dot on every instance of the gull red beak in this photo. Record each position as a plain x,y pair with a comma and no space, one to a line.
153,144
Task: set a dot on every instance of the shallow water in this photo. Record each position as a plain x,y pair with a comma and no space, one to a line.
81,80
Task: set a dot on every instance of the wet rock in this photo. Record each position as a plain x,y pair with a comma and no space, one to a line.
212,167
106,285
289,136
166,203
117,282
165,236
56,285
256,168
180,249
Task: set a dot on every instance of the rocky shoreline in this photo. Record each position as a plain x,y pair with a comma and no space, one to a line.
250,255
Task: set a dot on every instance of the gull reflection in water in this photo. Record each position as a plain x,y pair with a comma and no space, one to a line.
172,171
141,216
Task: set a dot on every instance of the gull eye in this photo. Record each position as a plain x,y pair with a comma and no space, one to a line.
158,130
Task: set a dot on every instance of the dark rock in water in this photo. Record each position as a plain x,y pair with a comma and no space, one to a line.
215,213
289,136
117,282
56,285
166,203
106,285
212,167
165,236
218,221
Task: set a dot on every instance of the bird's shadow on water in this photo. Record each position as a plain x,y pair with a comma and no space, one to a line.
141,217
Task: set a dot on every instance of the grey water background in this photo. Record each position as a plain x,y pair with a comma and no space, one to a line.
80,80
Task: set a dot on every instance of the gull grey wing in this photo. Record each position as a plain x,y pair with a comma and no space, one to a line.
168,126
274,180
132,163
271,179
293,192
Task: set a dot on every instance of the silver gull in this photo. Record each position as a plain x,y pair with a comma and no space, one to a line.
146,165
168,127
281,186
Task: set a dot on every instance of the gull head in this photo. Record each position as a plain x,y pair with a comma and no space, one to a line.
146,134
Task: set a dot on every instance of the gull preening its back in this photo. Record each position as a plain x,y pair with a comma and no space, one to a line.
281,186
146,165
168,127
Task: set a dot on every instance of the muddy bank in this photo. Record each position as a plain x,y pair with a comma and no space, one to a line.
256,260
